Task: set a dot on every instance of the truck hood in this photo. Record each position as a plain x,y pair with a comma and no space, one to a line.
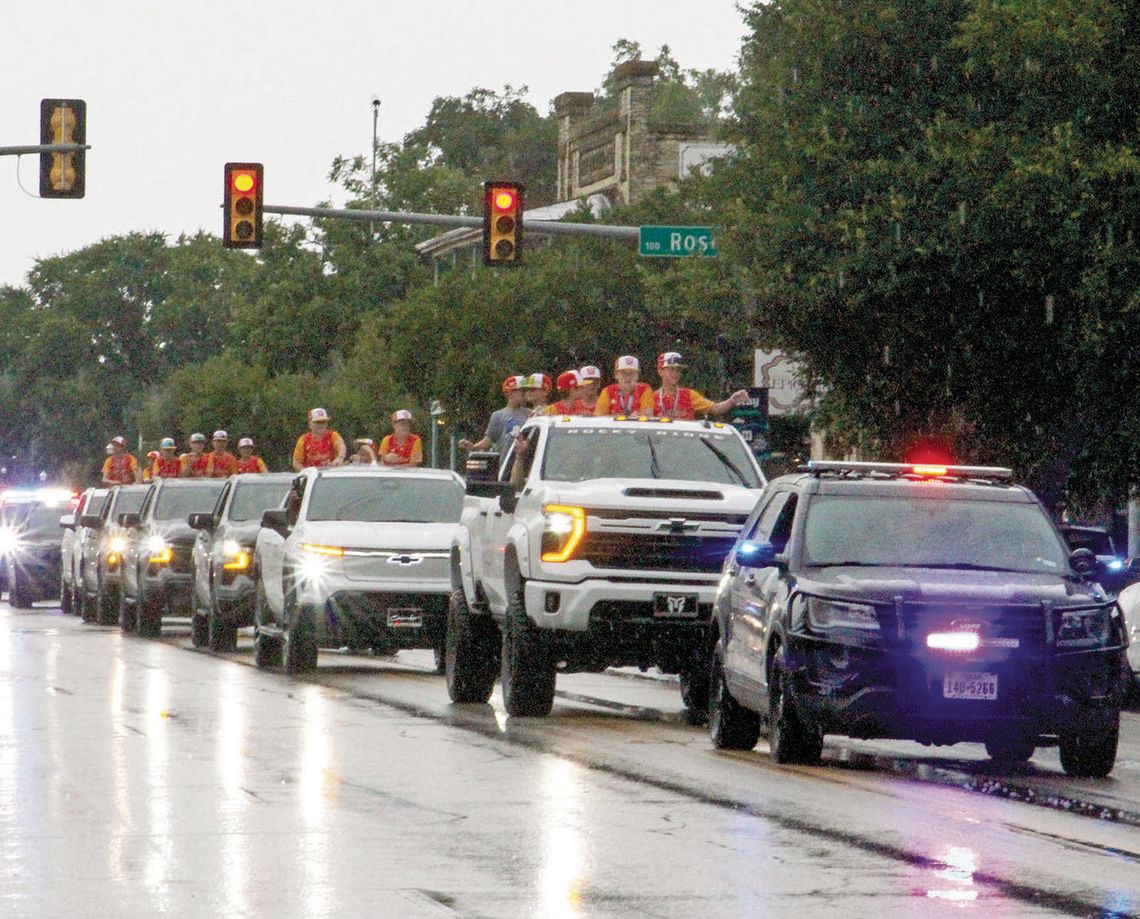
657,495
935,585
353,534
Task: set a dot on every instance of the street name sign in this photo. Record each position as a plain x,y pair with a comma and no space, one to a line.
676,242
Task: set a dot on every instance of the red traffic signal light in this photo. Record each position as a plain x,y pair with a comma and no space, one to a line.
241,227
63,121
502,223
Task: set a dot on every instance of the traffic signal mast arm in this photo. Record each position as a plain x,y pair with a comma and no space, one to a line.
43,148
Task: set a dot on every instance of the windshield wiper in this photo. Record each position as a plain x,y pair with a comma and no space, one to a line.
720,455
850,563
959,566
654,466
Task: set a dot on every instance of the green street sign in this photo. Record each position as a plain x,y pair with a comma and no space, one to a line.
676,242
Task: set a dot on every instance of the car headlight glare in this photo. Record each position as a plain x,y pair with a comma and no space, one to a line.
840,614
236,556
9,540
563,528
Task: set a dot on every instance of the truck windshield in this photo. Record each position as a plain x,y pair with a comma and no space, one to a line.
717,455
392,499
179,503
931,532
128,502
251,498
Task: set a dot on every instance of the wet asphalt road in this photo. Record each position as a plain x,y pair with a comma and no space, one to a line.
141,778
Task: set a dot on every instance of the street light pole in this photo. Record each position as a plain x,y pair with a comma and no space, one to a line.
375,123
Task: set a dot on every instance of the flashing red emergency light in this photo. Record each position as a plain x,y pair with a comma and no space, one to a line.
502,223
242,221
929,471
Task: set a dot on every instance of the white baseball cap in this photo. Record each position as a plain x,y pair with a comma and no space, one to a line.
197,438
221,435
627,362
401,414
245,442
590,372
120,440
318,414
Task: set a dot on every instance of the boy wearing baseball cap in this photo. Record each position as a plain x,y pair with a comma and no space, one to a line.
569,383
120,468
504,421
195,463
627,396
320,445
402,447
222,464
247,462
591,378
167,466
680,402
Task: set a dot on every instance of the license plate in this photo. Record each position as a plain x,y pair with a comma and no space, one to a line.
675,606
969,686
405,618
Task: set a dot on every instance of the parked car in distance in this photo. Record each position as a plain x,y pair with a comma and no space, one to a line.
936,604
223,557
101,545
30,543
91,501
1129,600
157,576
357,558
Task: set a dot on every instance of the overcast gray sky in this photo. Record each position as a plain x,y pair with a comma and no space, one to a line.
175,89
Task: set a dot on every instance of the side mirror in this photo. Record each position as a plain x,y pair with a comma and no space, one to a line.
508,498
483,488
67,521
130,521
201,521
1083,562
482,467
1132,566
751,554
91,521
277,520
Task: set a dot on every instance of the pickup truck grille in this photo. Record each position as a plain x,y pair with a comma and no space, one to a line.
183,557
655,551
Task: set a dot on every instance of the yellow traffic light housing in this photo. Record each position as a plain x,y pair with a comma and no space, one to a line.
241,228
502,223
63,121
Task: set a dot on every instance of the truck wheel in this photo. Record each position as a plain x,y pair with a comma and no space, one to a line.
107,607
1089,751
528,668
148,614
221,635
266,650
439,653
87,606
66,601
731,726
300,645
696,681
790,739
1014,750
18,591
126,614
471,654
198,629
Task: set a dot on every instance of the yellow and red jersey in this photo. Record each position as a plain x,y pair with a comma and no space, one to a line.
612,402
221,465
251,464
120,469
194,465
569,407
409,453
167,467
683,404
311,450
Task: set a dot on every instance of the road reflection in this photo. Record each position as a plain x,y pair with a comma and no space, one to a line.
957,877
233,803
562,863
155,772
319,791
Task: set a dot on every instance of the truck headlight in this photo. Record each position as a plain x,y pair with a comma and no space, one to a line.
839,614
315,561
115,548
562,530
159,551
235,556
9,540
1084,628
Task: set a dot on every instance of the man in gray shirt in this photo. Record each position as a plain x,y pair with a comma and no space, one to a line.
505,421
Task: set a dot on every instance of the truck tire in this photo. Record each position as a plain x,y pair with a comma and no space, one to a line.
471,652
126,614
18,590
87,606
66,600
528,667
198,627
106,607
731,726
791,740
299,651
148,615
221,635
266,650
695,678
1089,751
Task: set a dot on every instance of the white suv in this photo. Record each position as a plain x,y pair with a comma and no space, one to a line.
357,558
603,548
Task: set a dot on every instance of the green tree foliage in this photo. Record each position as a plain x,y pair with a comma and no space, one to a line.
935,203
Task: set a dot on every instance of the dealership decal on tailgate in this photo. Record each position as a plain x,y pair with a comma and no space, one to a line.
405,618
969,686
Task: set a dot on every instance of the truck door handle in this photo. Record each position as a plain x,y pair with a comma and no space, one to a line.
498,513
482,513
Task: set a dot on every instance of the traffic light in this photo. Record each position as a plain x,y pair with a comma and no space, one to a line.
242,206
63,121
502,223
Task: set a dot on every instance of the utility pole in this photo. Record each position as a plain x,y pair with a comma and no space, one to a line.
375,137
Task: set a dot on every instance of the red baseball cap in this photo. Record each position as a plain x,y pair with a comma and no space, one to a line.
569,380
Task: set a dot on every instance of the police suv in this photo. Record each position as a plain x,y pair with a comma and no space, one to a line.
598,545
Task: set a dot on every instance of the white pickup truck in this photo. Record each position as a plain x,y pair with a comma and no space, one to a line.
602,548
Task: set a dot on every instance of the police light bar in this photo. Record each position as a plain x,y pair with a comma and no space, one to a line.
920,470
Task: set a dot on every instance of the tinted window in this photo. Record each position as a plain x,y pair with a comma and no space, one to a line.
251,498
716,456
391,498
1096,541
931,532
129,502
95,504
180,503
